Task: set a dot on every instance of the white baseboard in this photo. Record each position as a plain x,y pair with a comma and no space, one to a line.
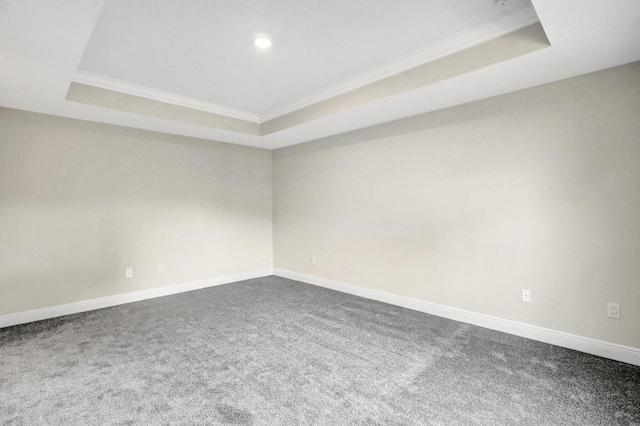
120,299
584,344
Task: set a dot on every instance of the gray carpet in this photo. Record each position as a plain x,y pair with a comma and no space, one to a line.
272,351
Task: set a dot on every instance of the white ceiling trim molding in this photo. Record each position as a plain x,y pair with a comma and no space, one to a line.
150,102
106,98
464,41
115,85
517,43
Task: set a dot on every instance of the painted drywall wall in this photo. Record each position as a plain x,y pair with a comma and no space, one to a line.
80,202
538,190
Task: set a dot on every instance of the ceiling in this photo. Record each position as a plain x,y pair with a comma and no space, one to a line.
202,49
189,67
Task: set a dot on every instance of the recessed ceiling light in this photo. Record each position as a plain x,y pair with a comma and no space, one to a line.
261,40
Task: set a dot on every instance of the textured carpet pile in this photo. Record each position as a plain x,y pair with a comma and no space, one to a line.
272,351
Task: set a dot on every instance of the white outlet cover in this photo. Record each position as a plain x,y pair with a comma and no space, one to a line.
526,296
613,310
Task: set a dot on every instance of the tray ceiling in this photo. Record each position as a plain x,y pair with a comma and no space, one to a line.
189,67
202,49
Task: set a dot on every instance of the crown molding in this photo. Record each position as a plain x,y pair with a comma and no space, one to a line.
116,85
466,40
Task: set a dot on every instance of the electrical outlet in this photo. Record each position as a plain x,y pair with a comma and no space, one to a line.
526,296
313,260
128,273
161,268
613,310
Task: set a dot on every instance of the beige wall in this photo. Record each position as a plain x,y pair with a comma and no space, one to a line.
539,190
80,202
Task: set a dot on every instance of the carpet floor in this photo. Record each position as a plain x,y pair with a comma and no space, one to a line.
272,351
